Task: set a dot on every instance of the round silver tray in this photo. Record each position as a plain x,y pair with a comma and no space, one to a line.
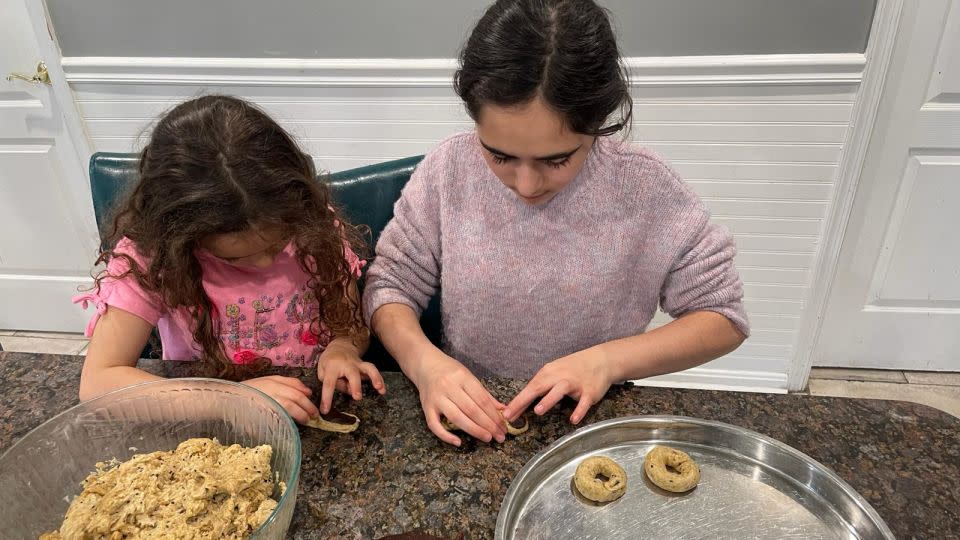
751,486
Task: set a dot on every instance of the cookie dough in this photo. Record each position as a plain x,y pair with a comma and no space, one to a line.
200,490
335,421
600,479
519,426
671,469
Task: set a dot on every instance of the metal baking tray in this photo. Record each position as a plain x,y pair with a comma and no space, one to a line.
751,486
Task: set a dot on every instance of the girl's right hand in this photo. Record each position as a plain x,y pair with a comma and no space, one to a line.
448,389
290,393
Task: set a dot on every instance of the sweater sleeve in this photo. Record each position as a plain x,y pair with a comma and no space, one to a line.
704,278
406,269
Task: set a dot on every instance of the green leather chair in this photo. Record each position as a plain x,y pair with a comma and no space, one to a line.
367,195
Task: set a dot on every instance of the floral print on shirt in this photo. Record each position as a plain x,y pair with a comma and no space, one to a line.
250,329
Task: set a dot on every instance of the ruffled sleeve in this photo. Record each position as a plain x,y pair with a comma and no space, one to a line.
354,260
121,291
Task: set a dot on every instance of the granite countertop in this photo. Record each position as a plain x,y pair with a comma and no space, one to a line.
393,475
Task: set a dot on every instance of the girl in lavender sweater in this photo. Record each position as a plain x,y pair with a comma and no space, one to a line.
553,241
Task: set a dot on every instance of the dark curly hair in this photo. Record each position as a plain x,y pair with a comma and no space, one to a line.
217,165
561,50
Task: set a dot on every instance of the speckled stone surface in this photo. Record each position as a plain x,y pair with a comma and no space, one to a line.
393,475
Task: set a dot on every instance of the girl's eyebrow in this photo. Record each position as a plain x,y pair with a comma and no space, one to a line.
551,157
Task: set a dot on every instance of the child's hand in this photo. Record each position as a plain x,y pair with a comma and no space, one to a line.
448,389
585,376
340,368
290,393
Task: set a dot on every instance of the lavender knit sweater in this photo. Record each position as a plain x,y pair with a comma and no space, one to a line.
525,285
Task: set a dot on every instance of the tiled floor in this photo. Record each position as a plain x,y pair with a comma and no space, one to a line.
938,390
43,342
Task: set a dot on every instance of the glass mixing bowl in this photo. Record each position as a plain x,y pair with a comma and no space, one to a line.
41,473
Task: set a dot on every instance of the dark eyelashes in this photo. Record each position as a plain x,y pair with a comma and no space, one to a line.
500,160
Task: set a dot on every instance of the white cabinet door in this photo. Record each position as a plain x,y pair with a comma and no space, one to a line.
47,232
895,299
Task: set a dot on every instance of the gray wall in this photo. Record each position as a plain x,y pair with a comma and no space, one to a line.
436,28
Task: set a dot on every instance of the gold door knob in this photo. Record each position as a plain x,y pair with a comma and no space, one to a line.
42,76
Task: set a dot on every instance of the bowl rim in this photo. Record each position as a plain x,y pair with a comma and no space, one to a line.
291,482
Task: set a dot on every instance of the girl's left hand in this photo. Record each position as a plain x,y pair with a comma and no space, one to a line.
340,368
584,376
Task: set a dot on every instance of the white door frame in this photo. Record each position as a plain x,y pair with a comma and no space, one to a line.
883,36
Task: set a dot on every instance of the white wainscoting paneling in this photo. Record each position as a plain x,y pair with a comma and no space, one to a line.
758,137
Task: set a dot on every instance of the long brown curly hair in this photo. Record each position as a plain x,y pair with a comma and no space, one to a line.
217,165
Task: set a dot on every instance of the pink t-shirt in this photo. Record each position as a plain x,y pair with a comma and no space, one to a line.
263,312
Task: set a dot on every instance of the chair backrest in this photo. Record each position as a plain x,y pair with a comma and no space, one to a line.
366,194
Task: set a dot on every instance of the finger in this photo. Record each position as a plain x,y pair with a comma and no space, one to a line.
353,381
304,402
326,393
373,374
552,398
433,422
294,383
524,398
488,407
341,386
484,398
468,426
295,411
469,417
581,410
